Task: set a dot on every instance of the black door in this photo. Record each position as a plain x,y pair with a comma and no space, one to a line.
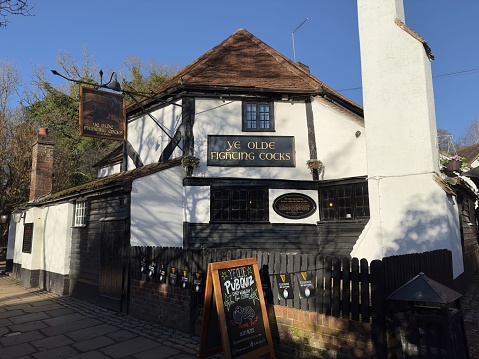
113,265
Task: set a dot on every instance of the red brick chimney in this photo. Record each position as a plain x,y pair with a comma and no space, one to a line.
42,165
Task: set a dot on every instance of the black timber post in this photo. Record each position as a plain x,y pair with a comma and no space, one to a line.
188,122
378,310
313,150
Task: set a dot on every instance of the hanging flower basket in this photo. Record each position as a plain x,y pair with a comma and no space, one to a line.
189,163
314,164
453,165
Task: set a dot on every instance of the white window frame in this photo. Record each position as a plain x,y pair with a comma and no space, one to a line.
80,213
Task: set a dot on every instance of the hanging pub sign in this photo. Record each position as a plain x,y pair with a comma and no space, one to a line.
198,282
184,280
285,286
162,273
251,151
306,285
173,276
235,321
102,114
294,206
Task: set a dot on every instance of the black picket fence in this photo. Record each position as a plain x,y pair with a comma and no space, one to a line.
341,287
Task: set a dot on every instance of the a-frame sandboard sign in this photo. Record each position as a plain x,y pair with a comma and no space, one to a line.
235,320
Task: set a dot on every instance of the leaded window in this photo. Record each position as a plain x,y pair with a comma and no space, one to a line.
239,205
258,116
344,202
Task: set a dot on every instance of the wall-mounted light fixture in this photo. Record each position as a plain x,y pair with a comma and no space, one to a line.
17,215
4,217
358,133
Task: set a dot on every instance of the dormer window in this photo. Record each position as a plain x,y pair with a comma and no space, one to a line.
258,116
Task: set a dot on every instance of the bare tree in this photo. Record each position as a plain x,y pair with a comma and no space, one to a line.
471,134
13,7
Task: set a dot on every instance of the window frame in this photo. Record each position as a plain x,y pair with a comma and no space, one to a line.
79,216
239,205
258,112
336,202
27,241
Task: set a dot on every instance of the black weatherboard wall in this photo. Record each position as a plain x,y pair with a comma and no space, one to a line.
98,264
333,237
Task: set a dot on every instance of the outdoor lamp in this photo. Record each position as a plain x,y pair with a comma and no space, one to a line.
4,217
17,215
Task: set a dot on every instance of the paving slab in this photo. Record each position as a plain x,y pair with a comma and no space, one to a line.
19,338
122,335
130,347
30,317
94,343
35,324
91,332
52,342
62,352
69,327
16,351
158,353
27,327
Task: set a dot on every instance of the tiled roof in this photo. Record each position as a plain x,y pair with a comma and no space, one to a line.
243,61
470,153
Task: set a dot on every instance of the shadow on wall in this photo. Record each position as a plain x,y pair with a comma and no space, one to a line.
424,227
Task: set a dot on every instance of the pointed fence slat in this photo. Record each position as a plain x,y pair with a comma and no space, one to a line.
346,289
336,285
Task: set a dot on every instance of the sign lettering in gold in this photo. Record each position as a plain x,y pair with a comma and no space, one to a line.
253,151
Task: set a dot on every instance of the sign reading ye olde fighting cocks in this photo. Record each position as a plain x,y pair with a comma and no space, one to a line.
102,114
251,151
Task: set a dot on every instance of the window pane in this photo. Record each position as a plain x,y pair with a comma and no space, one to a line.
234,204
80,213
264,116
251,116
327,204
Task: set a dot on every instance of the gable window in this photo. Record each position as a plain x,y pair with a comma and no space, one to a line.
239,205
80,213
344,202
258,116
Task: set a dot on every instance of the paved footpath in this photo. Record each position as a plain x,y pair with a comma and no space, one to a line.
37,324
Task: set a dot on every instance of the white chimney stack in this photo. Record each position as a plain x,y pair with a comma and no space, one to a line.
410,211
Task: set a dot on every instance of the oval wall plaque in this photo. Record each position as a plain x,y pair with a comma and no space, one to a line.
294,206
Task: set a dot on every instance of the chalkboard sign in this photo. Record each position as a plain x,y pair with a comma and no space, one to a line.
235,312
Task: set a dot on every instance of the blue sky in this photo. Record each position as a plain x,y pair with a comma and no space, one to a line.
178,32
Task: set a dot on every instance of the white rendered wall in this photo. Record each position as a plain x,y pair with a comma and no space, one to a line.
342,151
109,170
57,238
410,212
148,139
335,131
12,231
157,209
197,204
51,241
31,261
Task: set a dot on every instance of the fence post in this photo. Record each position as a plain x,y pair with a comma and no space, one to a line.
378,312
